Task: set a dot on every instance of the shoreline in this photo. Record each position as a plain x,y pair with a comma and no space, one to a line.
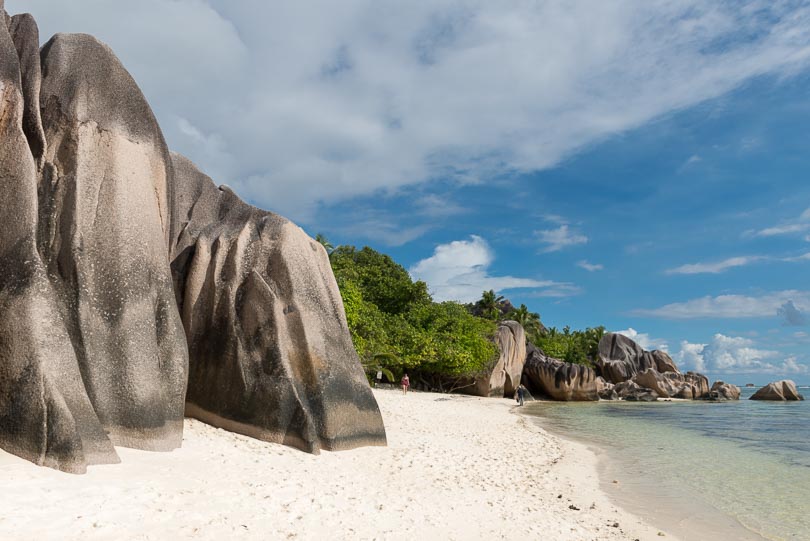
673,508
457,467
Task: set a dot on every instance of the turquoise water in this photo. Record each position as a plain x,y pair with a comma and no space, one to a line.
700,465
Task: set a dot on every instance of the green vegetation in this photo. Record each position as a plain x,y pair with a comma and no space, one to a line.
579,347
396,326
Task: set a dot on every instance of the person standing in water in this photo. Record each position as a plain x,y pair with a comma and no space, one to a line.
406,384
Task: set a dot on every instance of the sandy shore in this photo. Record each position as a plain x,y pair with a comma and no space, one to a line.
456,467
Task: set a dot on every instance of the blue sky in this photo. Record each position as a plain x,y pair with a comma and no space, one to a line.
640,165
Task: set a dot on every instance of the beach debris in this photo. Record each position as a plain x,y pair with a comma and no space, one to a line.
573,507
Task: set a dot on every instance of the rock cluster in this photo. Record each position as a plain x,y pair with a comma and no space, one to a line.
778,390
105,236
623,370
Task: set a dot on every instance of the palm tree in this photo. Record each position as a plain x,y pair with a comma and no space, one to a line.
490,304
328,246
530,321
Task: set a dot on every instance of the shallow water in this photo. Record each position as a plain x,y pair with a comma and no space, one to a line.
700,468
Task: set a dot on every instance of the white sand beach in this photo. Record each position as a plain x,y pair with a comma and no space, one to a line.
456,467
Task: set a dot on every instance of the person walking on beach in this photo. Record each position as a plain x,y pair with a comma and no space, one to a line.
521,392
406,383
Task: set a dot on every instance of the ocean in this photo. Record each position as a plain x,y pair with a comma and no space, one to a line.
701,470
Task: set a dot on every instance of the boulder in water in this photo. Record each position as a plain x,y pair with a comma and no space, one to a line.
723,391
778,390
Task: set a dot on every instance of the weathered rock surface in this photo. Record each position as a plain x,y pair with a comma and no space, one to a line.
104,198
605,389
673,384
723,391
45,414
105,235
269,348
630,390
778,390
641,395
620,359
558,380
504,377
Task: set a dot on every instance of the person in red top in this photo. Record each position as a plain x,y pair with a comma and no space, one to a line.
406,384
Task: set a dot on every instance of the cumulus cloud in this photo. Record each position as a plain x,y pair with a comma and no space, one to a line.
736,355
730,306
644,340
559,238
459,271
306,103
590,267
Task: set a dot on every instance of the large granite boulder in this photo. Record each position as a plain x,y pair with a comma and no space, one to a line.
104,199
723,391
105,235
46,416
503,377
632,391
779,390
558,380
270,354
673,384
620,359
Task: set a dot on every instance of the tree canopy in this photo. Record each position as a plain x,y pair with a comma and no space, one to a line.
396,326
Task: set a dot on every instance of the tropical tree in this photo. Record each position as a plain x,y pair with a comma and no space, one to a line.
489,306
530,321
323,241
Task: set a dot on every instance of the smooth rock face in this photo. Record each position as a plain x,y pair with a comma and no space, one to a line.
620,359
558,380
779,390
104,198
269,348
45,414
504,377
94,350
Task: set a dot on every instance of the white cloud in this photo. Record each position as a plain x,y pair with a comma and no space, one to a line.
803,257
735,355
730,306
800,225
690,357
459,271
644,340
590,267
310,102
559,238
715,267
